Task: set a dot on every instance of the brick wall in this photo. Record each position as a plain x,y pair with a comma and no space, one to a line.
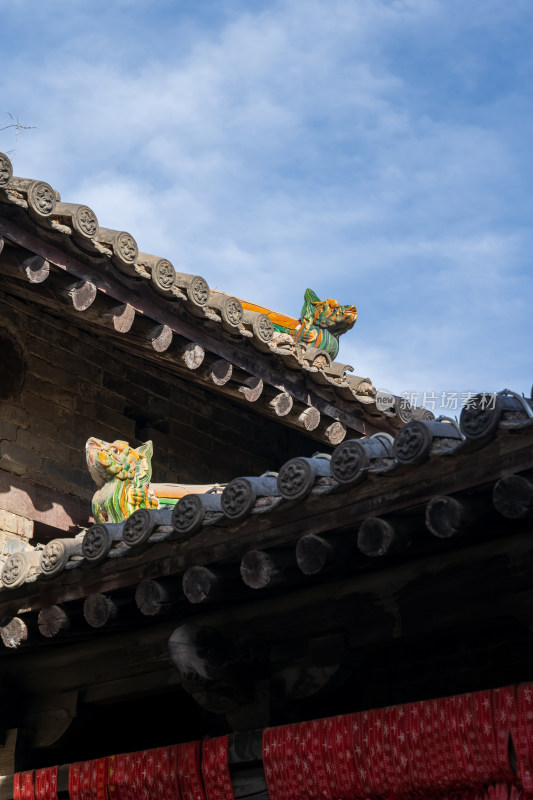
79,384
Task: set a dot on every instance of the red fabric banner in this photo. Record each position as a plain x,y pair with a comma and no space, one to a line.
189,773
443,747
454,748
123,781
165,772
87,780
215,769
523,736
145,775
74,781
46,784
23,786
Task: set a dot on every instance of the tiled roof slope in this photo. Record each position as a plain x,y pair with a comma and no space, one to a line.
375,497
90,269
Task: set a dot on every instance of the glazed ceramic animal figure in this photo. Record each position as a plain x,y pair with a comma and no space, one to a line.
122,474
323,321
320,324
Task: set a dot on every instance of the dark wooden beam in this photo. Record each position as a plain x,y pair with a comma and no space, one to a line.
252,362
182,357
261,569
510,451
53,620
157,597
25,264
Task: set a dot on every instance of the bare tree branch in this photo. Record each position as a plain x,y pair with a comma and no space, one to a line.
19,127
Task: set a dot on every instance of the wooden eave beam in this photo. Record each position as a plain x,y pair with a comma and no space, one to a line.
132,345
379,494
464,587
125,292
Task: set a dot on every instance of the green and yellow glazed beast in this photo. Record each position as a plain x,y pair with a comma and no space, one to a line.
321,323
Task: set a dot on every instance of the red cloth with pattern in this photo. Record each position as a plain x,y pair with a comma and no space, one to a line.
146,775
523,736
450,746
189,772
23,786
124,776
46,784
215,769
87,780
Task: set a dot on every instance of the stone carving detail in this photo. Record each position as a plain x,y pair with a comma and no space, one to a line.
293,478
263,328
85,222
238,496
126,248
96,543
321,323
57,553
54,557
6,170
41,198
232,312
15,570
137,527
163,275
198,291
411,442
347,463
188,515
478,417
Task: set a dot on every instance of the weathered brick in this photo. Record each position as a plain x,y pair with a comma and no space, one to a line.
78,458
54,375
133,395
125,426
43,446
15,414
150,382
85,407
68,474
77,429
80,367
186,435
203,404
40,348
82,345
64,486
42,407
44,427
8,430
12,466
101,396
14,319
49,391
12,452
13,523
158,408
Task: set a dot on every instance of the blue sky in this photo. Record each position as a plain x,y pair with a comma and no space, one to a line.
378,151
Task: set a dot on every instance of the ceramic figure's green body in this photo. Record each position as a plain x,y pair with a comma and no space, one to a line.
321,323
